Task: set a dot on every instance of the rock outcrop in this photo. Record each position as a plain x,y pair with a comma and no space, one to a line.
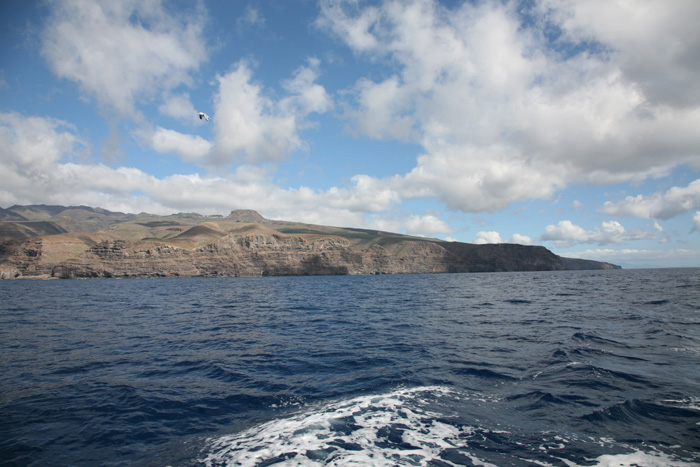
246,244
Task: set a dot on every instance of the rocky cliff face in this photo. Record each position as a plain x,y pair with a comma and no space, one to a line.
245,244
250,255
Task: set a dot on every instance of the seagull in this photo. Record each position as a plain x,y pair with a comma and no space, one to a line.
203,115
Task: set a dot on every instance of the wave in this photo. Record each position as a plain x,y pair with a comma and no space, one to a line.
413,427
657,302
482,373
640,459
398,428
639,411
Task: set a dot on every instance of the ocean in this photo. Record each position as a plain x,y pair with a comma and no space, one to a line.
575,368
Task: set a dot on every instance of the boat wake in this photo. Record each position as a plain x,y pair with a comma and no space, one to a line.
406,427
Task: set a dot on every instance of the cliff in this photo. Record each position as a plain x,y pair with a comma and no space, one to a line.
59,242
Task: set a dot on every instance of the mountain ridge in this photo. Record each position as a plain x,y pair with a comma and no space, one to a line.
86,242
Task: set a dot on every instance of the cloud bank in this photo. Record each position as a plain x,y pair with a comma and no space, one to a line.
506,113
566,234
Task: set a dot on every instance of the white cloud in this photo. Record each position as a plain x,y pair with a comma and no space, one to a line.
476,179
644,38
503,115
488,237
31,144
253,127
44,152
355,30
520,239
188,147
383,110
659,206
248,126
120,52
695,218
306,96
566,234
485,237
424,226
365,195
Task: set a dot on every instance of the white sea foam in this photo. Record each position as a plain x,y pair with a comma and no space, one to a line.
401,428
690,403
379,430
636,459
692,350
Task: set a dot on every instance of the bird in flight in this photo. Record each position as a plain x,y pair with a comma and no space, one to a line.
203,115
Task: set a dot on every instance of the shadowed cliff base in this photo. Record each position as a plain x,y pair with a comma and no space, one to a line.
83,242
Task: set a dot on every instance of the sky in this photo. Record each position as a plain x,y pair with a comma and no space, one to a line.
572,124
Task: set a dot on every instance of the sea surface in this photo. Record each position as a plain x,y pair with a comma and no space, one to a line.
579,368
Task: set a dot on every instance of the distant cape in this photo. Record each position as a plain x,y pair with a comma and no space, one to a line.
42,242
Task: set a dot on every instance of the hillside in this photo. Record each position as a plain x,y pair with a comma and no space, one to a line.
83,242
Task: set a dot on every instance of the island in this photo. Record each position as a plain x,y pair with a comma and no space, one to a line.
59,242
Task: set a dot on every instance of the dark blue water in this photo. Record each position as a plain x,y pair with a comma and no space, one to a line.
509,369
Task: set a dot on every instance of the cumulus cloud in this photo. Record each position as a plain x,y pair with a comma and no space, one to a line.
252,127
424,226
188,147
30,148
632,31
476,180
485,237
306,96
119,52
365,195
521,239
566,234
248,126
657,206
42,152
28,141
488,237
353,27
505,114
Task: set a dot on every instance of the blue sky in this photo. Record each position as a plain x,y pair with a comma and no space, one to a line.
569,124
